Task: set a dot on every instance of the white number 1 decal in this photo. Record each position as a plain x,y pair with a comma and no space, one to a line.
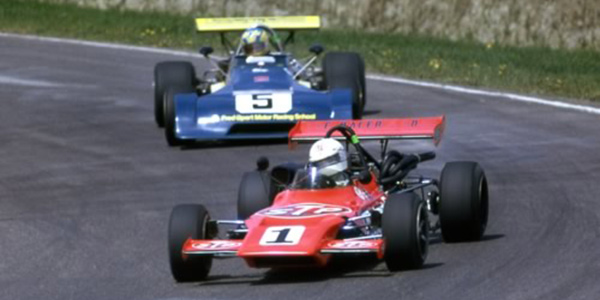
282,235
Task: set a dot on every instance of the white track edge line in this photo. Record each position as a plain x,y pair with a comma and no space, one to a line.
101,44
459,89
510,96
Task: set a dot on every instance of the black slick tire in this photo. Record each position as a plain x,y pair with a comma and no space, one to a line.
168,74
254,193
363,80
405,227
343,70
188,221
170,114
464,202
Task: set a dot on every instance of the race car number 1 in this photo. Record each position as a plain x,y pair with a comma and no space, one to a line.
282,236
263,103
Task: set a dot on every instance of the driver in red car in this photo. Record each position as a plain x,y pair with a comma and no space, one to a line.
328,159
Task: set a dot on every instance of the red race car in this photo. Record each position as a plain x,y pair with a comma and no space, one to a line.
298,215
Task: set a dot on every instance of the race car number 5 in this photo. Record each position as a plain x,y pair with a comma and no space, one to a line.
282,236
263,103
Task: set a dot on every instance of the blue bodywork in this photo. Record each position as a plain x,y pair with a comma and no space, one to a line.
255,104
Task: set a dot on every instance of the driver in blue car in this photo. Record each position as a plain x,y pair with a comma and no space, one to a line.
256,41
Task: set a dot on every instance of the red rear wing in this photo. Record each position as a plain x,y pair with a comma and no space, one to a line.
373,129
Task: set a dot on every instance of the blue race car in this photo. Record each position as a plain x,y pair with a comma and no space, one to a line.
256,93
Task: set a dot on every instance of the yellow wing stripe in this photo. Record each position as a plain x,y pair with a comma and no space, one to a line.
239,24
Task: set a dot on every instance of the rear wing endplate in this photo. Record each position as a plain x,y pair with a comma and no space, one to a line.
374,129
241,24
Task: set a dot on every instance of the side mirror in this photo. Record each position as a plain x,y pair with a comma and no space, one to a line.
206,50
262,163
365,177
316,49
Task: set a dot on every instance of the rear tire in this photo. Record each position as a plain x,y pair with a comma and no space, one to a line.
188,221
254,193
463,202
363,81
343,70
405,227
170,114
168,74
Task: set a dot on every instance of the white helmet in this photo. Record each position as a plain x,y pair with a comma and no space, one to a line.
328,156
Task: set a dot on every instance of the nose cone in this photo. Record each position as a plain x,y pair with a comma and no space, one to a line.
288,242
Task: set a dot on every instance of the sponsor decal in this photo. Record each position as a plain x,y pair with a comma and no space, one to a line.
356,124
262,78
352,244
260,60
216,245
267,117
305,210
254,118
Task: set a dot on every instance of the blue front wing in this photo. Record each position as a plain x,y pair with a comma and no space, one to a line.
214,116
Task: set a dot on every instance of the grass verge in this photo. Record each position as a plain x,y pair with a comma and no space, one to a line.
540,71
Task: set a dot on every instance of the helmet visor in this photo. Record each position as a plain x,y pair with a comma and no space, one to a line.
257,48
326,162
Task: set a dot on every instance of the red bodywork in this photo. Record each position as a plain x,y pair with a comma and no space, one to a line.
301,226
314,217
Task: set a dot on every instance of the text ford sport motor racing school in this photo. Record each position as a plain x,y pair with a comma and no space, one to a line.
290,216
256,96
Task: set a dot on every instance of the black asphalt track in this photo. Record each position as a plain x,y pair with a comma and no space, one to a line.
87,184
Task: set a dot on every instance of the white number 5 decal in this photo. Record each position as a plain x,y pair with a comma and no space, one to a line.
282,235
263,103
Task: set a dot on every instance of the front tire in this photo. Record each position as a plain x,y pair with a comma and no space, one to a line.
188,221
405,227
168,74
254,193
171,114
463,202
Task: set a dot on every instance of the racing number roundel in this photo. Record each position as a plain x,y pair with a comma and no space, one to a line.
282,236
279,102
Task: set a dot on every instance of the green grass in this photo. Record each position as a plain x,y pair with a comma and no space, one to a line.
541,71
